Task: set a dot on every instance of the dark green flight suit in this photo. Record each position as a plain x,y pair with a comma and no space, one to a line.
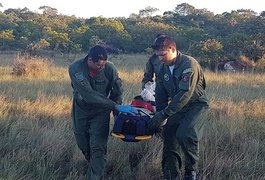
151,69
182,95
93,100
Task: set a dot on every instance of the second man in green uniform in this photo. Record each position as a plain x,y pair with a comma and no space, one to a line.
182,102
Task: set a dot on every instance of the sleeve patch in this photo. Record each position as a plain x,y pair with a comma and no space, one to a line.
79,76
185,82
187,71
186,78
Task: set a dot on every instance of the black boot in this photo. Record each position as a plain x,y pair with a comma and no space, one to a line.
190,175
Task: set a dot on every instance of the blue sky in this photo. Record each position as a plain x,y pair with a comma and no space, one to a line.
123,8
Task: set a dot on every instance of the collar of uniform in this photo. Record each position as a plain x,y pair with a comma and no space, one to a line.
173,62
178,59
84,65
85,60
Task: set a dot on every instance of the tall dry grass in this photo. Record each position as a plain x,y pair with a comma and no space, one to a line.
36,139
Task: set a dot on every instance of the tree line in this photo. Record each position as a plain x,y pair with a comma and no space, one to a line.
198,32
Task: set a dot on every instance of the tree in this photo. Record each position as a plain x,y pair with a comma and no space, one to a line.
148,11
34,47
110,31
192,36
49,11
144,32
5,37
212,50
184,9
59,41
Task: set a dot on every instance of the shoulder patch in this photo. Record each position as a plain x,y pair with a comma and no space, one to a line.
186,78
187,71
79,76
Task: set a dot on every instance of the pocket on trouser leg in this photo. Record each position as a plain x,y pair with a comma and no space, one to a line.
193,123
200,123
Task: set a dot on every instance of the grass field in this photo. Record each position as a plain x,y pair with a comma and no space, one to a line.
36,139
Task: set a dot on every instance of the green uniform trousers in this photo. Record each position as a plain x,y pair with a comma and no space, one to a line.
183,131
91,129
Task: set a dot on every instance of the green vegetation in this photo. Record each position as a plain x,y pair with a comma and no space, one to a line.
208,37
37,142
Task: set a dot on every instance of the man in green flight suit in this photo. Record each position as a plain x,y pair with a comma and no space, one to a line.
96,93
181,105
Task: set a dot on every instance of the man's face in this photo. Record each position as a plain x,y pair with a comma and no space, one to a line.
166,55
97,66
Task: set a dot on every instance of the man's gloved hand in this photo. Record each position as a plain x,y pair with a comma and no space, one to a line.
157,120
127,109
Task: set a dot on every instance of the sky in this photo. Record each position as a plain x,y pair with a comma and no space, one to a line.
123,8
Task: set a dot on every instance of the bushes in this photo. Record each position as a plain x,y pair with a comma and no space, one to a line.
260,66
31,66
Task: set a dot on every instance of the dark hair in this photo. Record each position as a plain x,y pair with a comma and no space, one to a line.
160,34
163,42
97,52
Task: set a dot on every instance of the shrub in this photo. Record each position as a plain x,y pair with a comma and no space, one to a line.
260,66
31,66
